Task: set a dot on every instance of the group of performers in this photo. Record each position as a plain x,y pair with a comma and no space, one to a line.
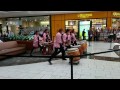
62,41
40,39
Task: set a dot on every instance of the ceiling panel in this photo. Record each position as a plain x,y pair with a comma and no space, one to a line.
32,13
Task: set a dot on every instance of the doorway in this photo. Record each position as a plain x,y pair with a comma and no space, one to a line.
84,25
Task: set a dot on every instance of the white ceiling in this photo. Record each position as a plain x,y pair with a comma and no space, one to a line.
34,13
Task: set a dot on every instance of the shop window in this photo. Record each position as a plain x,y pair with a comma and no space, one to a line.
115,22
31,24
98,23
72,24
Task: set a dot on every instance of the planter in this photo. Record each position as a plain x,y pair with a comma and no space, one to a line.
29,44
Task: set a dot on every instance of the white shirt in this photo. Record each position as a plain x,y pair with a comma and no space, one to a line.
118,35
1,41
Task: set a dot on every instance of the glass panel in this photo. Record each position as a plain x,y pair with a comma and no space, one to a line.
115,22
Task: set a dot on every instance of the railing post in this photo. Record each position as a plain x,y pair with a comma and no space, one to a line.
71,61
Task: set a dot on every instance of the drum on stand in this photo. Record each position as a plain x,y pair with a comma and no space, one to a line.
83,45
50,48
79,47
47,49
74,52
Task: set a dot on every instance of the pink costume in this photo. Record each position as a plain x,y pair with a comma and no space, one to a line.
66,38
35,41
73,38
58,40
44,37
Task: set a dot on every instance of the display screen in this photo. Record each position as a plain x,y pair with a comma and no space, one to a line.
84,25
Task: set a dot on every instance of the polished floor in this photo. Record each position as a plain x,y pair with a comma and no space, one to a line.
87,69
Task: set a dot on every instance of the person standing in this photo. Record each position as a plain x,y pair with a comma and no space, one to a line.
90,35
114,34
21,30
58,45
73,38
45,35
118,35
48,46
95,35
83,34
5,34
67,39
1,38
98,34
10,34
37,42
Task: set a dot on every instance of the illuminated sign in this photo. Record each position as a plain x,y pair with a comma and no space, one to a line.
85,15
116,14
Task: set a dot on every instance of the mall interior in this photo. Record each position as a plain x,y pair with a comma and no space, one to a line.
96,51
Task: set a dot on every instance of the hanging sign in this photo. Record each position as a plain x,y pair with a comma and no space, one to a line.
85,15
117,14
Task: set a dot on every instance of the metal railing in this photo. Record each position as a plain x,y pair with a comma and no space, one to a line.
71,57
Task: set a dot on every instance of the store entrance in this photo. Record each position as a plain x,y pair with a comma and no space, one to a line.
84,25
79,25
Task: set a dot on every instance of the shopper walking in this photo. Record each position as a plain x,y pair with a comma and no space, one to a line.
90,35
114,34
83,34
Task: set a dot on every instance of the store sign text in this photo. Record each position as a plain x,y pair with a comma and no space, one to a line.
116,14
85,15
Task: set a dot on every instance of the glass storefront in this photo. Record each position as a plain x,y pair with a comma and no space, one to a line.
72,24
13,25
115,22
79,25
99,23
29,24
3,24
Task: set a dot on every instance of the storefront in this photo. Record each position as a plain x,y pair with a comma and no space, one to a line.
86,24
29,24
115,19
80,21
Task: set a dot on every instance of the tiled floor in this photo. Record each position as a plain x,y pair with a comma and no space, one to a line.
101,47
87,69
